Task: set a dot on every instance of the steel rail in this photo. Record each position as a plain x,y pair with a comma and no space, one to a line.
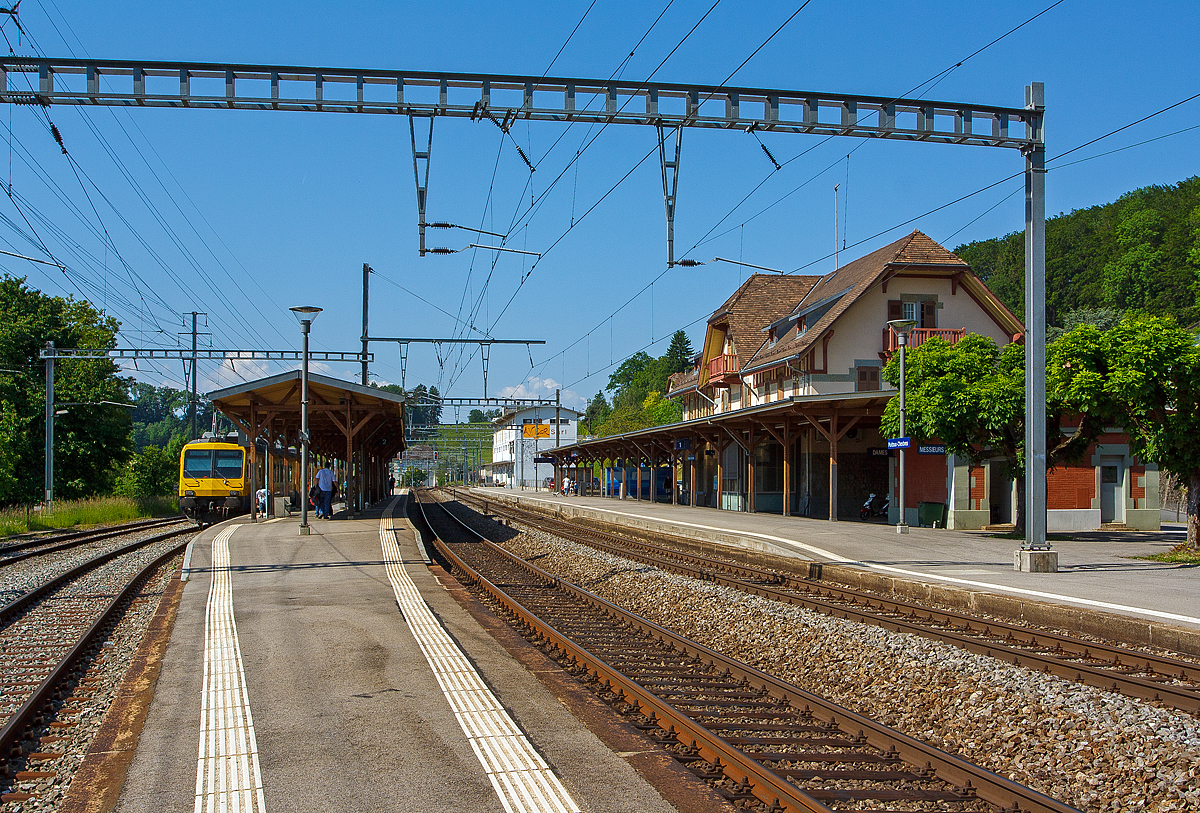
1112,668
25,716
72,540
989,786
21,602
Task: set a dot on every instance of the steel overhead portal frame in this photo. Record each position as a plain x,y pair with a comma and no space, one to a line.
504,99
49,353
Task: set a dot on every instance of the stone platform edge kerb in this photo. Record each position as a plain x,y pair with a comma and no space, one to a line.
1076,620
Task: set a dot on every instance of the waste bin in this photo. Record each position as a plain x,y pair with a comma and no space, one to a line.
930,512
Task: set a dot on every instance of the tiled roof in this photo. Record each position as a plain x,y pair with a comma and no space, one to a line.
856,278
683,381
761,300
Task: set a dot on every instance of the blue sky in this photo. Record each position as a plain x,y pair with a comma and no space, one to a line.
282,209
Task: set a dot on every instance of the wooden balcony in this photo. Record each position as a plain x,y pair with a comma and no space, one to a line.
919,335
722,370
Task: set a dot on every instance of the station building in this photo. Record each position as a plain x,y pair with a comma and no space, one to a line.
521,436
781,411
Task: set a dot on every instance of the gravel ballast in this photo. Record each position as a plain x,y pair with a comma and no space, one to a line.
1092,749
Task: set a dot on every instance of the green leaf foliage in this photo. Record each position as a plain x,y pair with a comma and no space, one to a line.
90,442
1140,252
151,472
970,396
637,388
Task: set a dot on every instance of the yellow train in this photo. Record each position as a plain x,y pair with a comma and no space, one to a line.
213,482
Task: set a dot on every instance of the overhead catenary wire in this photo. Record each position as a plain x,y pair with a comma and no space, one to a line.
913,219
927,84
646,157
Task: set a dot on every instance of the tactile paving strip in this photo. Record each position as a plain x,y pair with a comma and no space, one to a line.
227,773
521,778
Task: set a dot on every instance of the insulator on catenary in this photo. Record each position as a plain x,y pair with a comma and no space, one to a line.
772,157
58,137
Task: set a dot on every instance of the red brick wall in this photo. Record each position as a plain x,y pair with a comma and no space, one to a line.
1070,487
926,476
1136,491
978,492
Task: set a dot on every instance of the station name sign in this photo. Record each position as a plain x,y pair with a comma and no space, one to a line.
899,443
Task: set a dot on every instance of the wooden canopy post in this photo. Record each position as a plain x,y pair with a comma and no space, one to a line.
751,467
692,472
270,478
252,472
832,436
787,469
720,473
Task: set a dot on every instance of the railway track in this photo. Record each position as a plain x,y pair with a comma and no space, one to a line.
50,634
19,551
761,742
1157,678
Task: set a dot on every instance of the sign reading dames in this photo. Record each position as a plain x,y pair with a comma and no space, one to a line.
899,443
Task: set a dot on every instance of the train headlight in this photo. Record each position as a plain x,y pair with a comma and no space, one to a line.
235,493
189,493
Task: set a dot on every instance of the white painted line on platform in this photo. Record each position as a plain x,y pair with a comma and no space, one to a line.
519,775
792,543
228,779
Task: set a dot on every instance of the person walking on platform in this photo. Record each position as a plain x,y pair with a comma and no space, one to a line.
325,486
391,485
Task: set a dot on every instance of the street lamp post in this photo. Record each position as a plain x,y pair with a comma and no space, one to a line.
902,327
306,314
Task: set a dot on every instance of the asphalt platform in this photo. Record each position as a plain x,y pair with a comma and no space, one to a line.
313,676
1101,585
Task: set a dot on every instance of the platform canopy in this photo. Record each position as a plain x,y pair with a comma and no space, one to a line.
343,417
360,426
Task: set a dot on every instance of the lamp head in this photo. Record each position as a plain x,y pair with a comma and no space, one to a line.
306,313
902,326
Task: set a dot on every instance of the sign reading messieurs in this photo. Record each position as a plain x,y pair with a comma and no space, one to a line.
931,448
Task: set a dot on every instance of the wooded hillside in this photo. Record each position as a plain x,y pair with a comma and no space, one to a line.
1140,252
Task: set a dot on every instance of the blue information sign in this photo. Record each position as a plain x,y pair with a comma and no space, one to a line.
899,443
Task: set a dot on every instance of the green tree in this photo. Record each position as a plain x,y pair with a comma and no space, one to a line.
1153,380
1081,245
90,442
1131,280
680,353
660,411
971,396
476,416
413,477
150,472
596,412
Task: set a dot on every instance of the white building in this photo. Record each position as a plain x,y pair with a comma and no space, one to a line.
520,435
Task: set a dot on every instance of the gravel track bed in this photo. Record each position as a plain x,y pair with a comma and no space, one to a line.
668,544
21,577
95,690
1095,750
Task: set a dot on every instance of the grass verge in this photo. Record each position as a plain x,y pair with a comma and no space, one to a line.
84,513
1181,554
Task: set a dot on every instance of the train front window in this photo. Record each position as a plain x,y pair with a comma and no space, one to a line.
229,464
197,463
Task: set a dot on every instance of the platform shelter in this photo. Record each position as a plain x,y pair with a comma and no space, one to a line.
360,428
756,459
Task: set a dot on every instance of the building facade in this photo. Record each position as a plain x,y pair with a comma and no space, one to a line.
521,436
781,410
